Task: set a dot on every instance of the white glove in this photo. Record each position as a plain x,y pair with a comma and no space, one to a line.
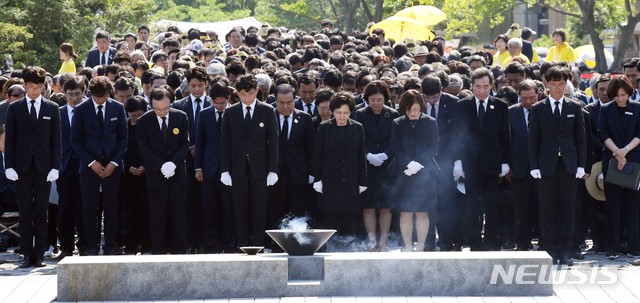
53,175
272,178
225,178
457,170
504,170
311,178
412,168
318,186
580,173
362,188
11,174
382,156
375,161
168,169
536,174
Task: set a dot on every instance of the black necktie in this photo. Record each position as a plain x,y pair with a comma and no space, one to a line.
100,117
285,130
247,118
196,115
219,121
432,112
34,115
309,110
165,130
102,57
481,112
556,111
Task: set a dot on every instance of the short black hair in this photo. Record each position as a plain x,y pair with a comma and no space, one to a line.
341,98
136,103
246,82
431,85
124,83
73,83
219,89
481,73
100,86
103,35
197,72
34,74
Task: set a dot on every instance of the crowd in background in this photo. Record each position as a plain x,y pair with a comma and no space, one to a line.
182,144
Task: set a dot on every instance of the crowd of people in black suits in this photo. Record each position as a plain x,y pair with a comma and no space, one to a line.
200,149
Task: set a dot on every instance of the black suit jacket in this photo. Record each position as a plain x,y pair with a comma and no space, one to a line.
590,160
548,137
406,148
377,135
186,105
91,143
341,164
621,126
65,127
25,144
156,151
297,151
207,142
446,114
257,145
481,149
519,163
4,107
300,105
594,112
93,57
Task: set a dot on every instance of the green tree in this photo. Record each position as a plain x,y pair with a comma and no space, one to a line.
201,11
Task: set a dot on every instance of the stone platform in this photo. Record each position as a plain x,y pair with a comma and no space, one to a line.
174,277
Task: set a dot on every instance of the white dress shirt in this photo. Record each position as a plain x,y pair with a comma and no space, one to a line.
37,105
289,121
244,109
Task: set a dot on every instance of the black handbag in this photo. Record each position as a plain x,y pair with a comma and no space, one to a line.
628,177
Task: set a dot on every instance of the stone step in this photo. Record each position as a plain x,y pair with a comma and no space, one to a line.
175,277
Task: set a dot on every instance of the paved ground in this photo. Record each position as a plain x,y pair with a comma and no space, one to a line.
39,285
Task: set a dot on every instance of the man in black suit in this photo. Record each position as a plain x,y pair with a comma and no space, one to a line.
307,87
295,153
70,216
249,159
441,106
522,184
7,188
99,139
557,157
481,153
163,137
219,228
32,160
595,210
197,81
103,53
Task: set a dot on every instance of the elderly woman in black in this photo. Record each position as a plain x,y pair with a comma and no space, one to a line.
340,166
619,127
376,119
414,143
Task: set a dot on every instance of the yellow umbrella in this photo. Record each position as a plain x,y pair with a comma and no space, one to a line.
398,28
587,54
427,14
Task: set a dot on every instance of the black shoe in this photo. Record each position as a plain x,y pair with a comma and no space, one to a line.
595,249
25,263
611,255
565,260
63,254
577,256
633,254
39,262
509,246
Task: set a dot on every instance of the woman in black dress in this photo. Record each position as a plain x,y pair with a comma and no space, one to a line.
619,127
376,118
340,166
414,143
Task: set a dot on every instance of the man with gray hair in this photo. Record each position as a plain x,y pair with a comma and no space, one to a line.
14,92
455,84
514,46
295,150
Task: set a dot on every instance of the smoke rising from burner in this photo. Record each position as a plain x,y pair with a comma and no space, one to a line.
292,223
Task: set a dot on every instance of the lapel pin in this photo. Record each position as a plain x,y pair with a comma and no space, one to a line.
295,120
261,124
176,131
491,106
386,115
